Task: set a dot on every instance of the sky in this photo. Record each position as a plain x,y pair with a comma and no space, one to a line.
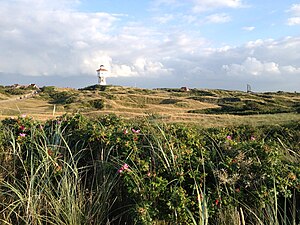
223,44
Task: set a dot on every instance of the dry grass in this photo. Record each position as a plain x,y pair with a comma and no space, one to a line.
36,108
140,103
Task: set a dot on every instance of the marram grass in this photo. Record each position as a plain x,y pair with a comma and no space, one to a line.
75,170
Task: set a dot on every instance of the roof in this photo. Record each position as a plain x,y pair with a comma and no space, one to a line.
101,69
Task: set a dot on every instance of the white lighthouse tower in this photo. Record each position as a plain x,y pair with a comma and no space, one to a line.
102,74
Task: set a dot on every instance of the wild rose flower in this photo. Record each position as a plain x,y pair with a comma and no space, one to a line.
229,137
123,168
135,131
50,152
22,134
252,138
23,115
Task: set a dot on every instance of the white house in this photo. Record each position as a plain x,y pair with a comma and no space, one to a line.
102,74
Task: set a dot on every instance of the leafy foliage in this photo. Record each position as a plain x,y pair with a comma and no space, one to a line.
97,103
113,171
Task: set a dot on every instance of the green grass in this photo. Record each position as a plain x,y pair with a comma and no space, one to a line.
77,170
204,107
47,184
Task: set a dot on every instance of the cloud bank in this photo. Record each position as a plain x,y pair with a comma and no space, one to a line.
54,38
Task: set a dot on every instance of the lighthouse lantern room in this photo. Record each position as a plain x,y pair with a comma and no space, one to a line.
102,74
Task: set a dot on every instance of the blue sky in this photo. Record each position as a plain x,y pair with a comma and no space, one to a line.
222,44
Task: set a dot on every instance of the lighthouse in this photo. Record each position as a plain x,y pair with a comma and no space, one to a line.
102,74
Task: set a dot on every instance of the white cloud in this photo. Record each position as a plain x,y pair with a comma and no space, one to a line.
248,28
122,70
218,18
204,5
201,5
157,4
34,43
295,15
293,21
295,9
253,67
42,39
58,40
291,69
140,67
164,19
165,2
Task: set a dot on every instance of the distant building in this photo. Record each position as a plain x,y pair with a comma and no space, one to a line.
102,73
184,89
249,88
33,85
17,86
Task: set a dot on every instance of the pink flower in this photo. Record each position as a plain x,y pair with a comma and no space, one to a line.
217,201
22,134
125,131
229,137
22,127
135,131
23,115
252,138
123,168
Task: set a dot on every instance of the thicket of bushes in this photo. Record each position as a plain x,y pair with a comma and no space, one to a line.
96,103
246,107
16,91
75,170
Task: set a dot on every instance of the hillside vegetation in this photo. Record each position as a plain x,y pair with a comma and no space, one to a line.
116,155
205,107
111,171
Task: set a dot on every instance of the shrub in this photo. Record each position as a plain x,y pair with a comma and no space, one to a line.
75,170
170,101
96,87
97,103
64,97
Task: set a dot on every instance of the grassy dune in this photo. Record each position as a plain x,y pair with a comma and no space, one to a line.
168,157
208,108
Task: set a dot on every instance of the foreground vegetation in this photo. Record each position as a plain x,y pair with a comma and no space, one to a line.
107,170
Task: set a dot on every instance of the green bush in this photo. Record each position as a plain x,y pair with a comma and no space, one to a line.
63,97
76,170
96,87
97,103
16,91
170,101
246,107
